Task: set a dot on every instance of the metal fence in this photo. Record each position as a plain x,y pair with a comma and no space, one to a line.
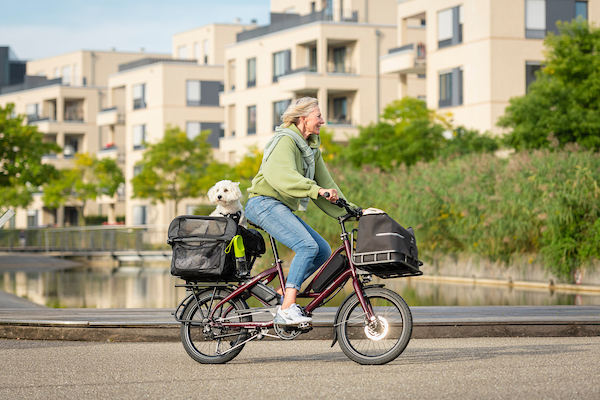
83,240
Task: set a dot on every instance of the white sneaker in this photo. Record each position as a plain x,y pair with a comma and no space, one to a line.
291,316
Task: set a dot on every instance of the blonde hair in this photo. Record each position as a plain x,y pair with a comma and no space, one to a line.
299,108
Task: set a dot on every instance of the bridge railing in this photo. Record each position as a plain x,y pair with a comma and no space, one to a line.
86,239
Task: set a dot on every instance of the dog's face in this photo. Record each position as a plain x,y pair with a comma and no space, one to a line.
224,192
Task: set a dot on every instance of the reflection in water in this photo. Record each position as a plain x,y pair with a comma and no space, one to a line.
154,287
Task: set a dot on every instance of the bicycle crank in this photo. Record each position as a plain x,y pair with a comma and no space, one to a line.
290,332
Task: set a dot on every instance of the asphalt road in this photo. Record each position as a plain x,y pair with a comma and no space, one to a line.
475,368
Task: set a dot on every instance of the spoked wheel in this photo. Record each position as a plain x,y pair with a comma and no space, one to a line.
378,341
212,345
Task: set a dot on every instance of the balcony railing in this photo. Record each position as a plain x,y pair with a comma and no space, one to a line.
339,121
287,21
535,33
341,69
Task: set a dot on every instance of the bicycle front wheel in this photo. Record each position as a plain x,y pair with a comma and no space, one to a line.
215,345
378,341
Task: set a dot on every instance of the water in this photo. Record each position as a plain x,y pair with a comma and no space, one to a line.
154,287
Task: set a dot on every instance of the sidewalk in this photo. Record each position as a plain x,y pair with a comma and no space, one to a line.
429,322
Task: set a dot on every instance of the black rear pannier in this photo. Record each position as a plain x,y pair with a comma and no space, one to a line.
199,244
386,249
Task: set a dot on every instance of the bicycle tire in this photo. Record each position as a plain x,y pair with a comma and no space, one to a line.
380,342
196,343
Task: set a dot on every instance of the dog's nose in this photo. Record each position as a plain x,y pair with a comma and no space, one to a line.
219,197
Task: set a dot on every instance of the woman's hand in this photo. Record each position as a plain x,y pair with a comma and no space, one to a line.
333,194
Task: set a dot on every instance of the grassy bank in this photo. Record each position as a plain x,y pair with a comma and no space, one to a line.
540,202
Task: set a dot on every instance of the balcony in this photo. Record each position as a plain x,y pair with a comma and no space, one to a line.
409,59
280,22
110,116
535,33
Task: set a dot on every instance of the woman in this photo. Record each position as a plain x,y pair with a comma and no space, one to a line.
292,171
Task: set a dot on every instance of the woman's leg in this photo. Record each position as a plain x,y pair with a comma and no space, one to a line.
287,228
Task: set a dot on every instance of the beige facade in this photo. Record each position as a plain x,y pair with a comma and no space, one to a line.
207,43
151,98
476,54
85,67
334,61
66,111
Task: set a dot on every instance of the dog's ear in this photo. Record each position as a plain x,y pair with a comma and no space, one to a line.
237,187
211,194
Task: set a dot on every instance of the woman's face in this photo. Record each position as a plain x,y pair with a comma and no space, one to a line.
312,122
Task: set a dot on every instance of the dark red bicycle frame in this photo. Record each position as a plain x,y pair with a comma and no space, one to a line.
277,271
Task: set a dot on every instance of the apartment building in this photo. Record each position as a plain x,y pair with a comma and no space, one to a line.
147,96
325,49
475,54
65,108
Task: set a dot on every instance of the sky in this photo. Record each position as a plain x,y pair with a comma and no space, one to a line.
36,29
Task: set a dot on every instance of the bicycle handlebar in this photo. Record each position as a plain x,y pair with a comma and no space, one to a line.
341,203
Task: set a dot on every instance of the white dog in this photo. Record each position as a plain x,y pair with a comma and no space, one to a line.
226,195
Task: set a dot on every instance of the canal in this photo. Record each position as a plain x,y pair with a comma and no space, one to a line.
152,286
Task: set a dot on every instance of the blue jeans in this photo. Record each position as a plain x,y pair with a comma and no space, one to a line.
287,228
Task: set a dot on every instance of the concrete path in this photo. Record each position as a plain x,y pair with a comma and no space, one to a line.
429,322
474,368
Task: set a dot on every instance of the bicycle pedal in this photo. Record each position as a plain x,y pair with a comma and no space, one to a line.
305,326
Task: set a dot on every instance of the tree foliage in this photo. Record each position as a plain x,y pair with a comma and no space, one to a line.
21,151
90,178
408,133
563,104
177,168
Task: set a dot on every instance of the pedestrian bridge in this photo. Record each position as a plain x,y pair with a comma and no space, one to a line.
125,243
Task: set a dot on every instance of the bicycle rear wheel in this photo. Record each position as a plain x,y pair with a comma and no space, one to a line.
379,341
213,346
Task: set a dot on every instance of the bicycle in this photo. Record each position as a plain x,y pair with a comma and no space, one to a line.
373,325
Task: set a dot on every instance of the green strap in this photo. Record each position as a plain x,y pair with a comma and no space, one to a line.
238,246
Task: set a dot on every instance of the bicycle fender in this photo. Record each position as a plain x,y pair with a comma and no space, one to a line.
337,315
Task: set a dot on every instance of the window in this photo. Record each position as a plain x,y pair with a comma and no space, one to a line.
66,75
203,93
282,62
581,9
339,59
71,146
136,170
531,67
197,50
450,24
56,72
279,108
32,111
139,136
192,129
32,218
535,19
252,120
217,131
206,51
340,110
193,93
182,52
451,88
251,72
313,59
140,215
139,96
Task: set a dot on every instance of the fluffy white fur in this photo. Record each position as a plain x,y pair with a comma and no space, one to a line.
226,195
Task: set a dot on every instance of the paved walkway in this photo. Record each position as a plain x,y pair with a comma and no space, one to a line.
429,322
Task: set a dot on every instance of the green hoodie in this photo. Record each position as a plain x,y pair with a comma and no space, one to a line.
282,176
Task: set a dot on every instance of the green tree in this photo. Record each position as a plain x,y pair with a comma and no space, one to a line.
563,104
409,132
465,141
177,168
21,151
89,179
